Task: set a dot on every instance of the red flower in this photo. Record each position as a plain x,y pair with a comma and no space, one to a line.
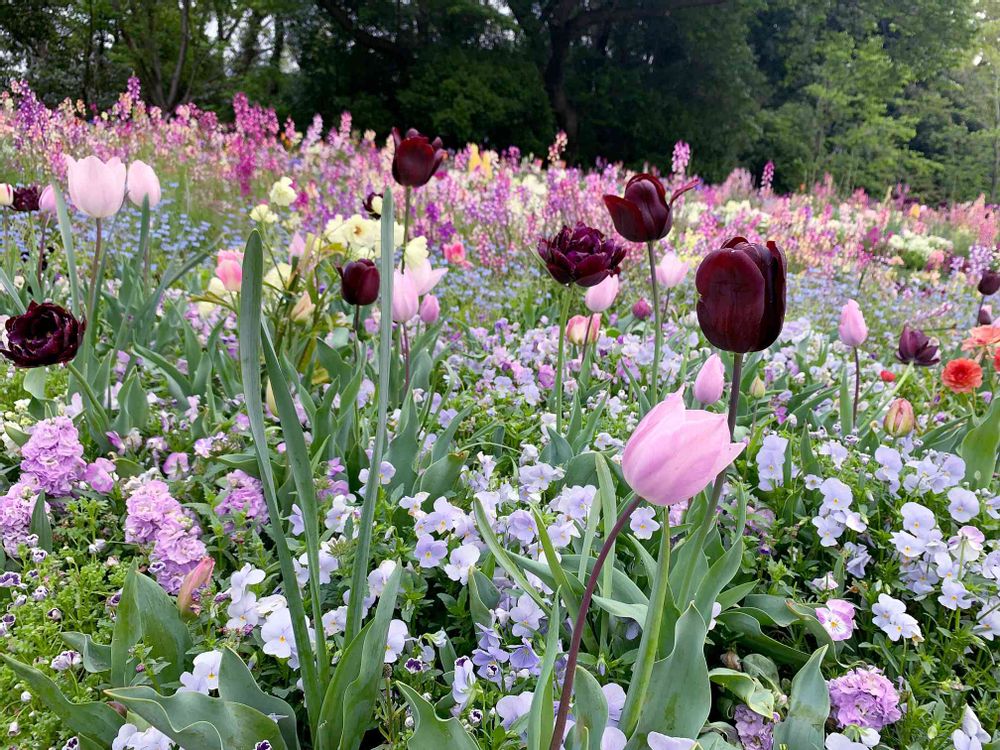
962,375
416,159
887,377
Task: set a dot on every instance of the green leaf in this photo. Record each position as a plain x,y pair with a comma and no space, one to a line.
430,732
682,693
66,231
442,475
541,716
513,570
93,720
590,709
846,413
808,708
980,448
147,614
746,688
237,685
96,657
40,524
360,696
34,382
200,722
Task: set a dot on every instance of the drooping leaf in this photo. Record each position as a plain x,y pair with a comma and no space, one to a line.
431,732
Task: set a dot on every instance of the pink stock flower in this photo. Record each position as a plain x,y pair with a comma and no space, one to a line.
97,188
711,381
599,298
675,452
853,330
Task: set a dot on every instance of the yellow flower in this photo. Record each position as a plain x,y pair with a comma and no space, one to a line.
303,309
416,251
263,214
282,193
482,162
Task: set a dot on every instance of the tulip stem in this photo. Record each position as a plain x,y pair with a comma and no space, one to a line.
581,617
658,333
857,388
95,267
407,194
705,524
561,359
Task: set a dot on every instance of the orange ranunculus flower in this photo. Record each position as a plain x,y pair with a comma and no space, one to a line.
962,375
981,337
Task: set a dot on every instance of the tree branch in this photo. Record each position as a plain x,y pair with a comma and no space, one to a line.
365,38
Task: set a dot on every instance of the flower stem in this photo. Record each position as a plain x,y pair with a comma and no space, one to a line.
857,388
654,386
95,267
561,360
407,195
705,525
581,617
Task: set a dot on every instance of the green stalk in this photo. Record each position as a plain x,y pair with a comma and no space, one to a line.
359,576
643,669
94,295
654,378
561,360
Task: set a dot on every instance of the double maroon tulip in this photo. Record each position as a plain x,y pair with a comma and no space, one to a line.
44,334
26,198
916,348
741,290
644,214
359,282
417,158
581,255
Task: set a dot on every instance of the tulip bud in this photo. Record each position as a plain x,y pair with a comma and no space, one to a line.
142,184
373,205
118,708
405,301
985,317
642,214
269,399
642,309
198,577
47,201
989,283
711,381
230,273
741,290
670,271
97,187
582,328
416,158
359,282
430,309
853,330
599,298
899,419
758,389
6,194
303,309
297,247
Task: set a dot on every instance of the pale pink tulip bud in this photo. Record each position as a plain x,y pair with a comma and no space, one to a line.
297,247
599,298
97,188
675,452
424,277
199,577
853,330
711,381
405,300
143,183
671,270
6,195
899,419
430,309
582,328
47,201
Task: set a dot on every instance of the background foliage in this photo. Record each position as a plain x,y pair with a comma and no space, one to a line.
875,92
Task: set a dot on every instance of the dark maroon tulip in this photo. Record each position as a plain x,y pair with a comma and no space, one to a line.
741,295
915,347
26,198
581,255
417,158
369,205
985,317
359,282
988,284
45,334
644,214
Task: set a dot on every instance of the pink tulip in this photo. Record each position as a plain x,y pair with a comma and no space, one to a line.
430,309
853,330
6,194
297,247
711,381
197,578
47,201
405,300
229,269
670,271
599,298
97,188
581,327
675,452
424,277
143,183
